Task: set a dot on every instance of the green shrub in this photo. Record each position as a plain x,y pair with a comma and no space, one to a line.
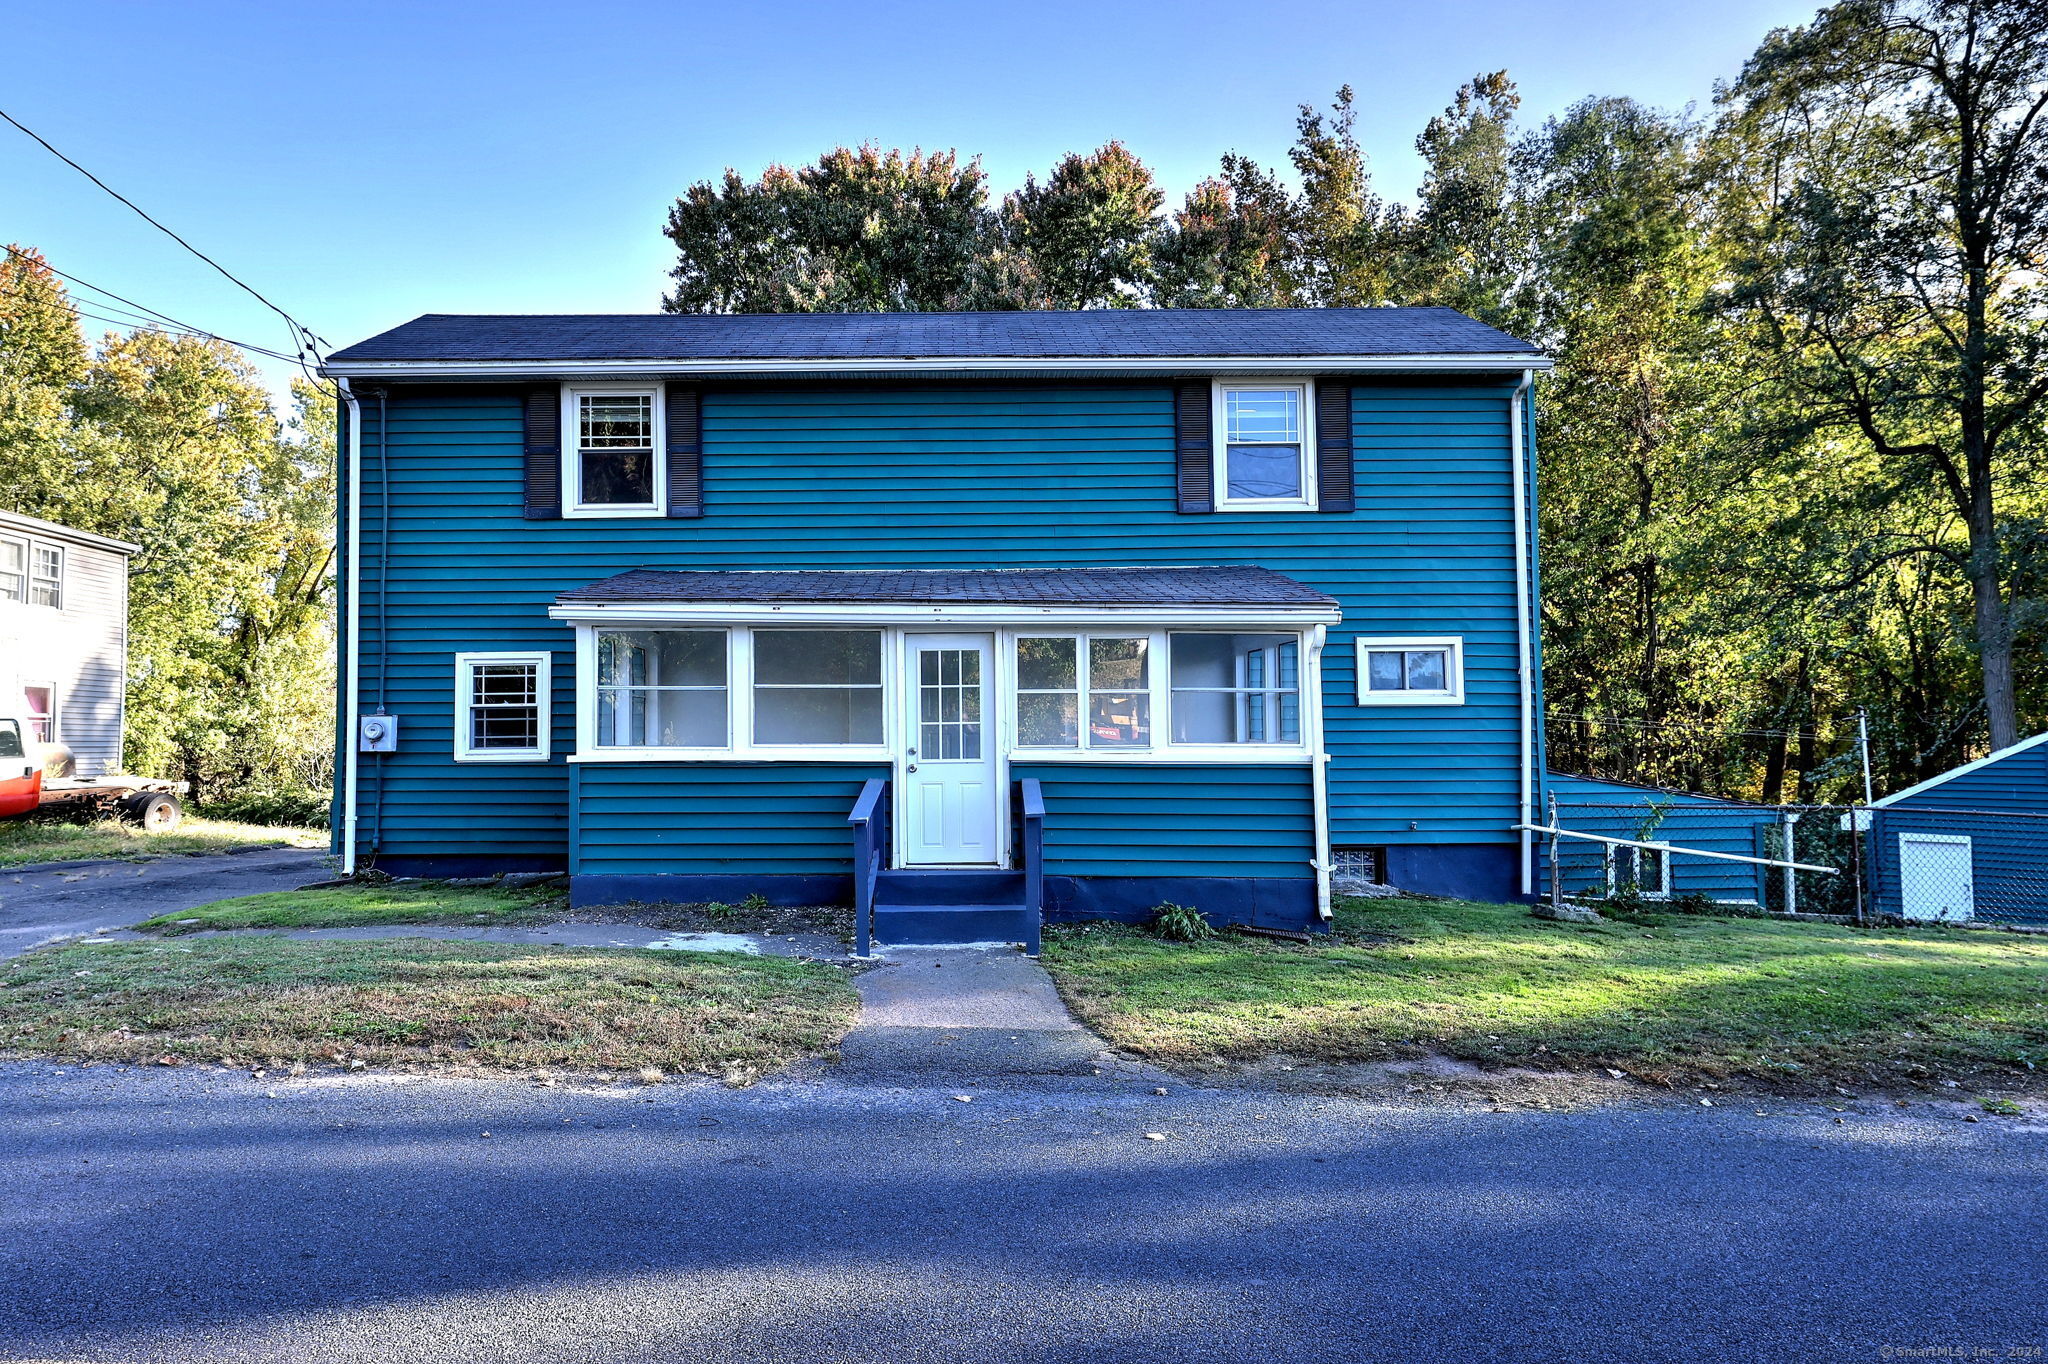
303,809
1181,923
755,903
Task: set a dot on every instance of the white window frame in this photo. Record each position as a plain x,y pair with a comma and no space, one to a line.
740,716
573,505
1219,454
53,715
27,565
542,662
1155,669
1663,889
55,580
1453,648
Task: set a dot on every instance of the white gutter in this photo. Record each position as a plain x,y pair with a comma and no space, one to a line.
1319,775
1524,654
351,700
945,364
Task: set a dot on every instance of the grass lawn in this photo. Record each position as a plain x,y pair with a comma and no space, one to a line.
359,906
269,1000
27,841
1668,997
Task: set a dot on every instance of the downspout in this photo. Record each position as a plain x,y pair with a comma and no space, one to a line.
352,677
1319,776
1524,652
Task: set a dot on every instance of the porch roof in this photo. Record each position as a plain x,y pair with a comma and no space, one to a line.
1236,585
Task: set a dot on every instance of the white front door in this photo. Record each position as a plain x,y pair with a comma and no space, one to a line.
951,800
1936,880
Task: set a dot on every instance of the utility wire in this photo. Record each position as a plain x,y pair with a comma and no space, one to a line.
1693,727
302,336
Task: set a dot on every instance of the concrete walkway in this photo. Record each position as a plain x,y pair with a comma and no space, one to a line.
969,1015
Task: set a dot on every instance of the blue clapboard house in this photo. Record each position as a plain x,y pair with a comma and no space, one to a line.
971,619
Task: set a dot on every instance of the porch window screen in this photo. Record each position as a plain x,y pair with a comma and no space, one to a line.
1055,692
661,689
817,686
1234,688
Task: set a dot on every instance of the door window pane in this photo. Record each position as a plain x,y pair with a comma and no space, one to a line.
949,704
818,686
1235,688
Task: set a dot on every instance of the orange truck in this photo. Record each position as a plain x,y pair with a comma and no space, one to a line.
39,776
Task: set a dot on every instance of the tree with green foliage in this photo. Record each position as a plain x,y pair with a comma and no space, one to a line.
1884,187
1089,230
1229,245
1464,242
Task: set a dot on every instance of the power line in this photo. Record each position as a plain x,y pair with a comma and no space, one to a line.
302,335
1687,727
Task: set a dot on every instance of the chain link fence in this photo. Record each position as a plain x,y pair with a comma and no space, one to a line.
1913,863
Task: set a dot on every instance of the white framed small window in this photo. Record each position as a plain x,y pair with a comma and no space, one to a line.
612,450
1264,444
1646,869
46,575
501,707
13,568
1411,671
41,698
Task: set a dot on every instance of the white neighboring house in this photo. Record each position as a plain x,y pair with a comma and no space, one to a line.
64,637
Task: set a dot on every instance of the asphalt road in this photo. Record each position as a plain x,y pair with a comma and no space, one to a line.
37,906
202,1215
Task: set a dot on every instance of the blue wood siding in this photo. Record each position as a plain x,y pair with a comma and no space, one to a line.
1234,821
696,819
944,475
2002,808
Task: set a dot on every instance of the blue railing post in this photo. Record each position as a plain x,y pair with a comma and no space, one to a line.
1034,862
870,821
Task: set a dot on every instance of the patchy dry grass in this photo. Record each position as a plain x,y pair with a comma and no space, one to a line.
400,1001
366,906
1664,997
24,842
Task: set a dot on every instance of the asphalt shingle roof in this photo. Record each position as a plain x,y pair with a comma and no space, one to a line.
1152,334
1207,586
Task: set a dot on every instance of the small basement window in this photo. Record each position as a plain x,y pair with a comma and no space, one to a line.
613,451
1368,865
502,707
1264,446
1648,870
1411,672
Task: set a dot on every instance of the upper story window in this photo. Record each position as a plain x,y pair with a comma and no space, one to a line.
1411,672
612,456
46,576
31,571
1264,445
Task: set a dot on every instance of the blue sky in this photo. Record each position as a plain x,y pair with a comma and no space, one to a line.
369,162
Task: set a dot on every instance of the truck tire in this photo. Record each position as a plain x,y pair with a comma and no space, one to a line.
157,812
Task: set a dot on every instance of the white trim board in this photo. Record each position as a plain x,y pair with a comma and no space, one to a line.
653,367
2021,747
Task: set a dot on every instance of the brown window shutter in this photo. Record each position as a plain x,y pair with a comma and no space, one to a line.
1194,448
684,428
1335,490
543,453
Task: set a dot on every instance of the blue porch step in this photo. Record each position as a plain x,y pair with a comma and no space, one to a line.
940,908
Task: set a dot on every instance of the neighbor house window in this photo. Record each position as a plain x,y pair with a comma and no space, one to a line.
13,569
1235,688
42,711
1411,671
613,450
502,707
1264,450
662,689
1647,870
816,687
46,576
1084,691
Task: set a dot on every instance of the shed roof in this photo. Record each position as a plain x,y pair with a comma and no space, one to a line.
1099,334
1978,766
1220,585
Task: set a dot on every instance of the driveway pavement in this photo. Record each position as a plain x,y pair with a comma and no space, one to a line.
196,1215
36,906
